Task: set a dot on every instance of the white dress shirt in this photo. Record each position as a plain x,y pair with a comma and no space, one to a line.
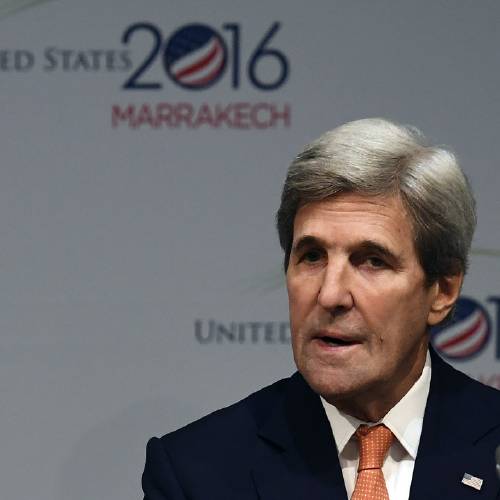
404,420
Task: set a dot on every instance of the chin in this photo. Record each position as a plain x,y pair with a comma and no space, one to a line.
332,387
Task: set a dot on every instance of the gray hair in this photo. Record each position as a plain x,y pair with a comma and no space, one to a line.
378,157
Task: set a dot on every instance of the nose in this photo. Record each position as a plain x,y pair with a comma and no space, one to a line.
335,294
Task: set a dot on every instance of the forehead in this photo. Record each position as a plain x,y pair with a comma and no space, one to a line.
353,217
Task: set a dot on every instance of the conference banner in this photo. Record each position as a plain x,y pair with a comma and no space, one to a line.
143,150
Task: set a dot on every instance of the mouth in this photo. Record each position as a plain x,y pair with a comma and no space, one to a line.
336,341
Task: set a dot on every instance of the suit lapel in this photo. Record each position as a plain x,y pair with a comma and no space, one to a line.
452,428
299,458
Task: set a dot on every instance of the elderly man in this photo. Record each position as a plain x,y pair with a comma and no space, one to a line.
376,227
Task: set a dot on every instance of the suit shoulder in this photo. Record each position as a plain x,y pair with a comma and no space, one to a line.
489,396
469,396
234,423
460,379
215,453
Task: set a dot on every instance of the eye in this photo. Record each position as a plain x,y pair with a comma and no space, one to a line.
311,256
375,262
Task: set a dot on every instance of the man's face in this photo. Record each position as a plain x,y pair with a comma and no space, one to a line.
359,306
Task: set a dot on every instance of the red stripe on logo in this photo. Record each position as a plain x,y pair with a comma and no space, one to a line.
470,350
201,63
468,333
207,78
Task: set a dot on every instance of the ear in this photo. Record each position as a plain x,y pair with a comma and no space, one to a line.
444,294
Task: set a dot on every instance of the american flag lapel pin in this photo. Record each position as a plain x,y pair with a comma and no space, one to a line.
472,481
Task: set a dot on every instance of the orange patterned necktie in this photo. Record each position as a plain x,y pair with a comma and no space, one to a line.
374,443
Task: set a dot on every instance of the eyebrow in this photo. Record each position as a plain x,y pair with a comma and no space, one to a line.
379,248
308,241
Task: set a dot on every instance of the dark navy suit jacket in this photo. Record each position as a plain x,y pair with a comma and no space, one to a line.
277,444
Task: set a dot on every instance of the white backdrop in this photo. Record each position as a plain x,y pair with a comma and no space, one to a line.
141,282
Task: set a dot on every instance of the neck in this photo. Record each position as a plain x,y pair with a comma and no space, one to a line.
375,402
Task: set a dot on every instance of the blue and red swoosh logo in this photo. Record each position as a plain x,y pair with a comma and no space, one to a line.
468,333
195,56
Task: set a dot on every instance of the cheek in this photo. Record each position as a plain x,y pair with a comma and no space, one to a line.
301,310
385,309
376,306
298,314
398,319
301,296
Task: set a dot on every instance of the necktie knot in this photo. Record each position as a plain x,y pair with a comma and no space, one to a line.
374,443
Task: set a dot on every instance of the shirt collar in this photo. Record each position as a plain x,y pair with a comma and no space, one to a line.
404,419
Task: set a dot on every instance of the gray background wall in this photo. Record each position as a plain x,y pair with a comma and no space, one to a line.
116,242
